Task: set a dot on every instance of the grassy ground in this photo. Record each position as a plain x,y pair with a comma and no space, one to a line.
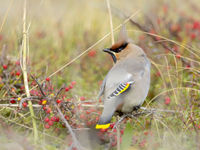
59,31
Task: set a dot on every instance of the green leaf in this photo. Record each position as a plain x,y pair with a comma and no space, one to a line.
127,137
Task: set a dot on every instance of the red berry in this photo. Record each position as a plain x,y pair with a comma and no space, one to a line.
158,74
66,117
68,100
142,143
22,88
178,56
73,83
88,112
167,100
46,126
17,73
175,48
70,86
97,119
193,36
53,119
82,116
89,123
92,110
58,101
66,89
40,102
165,8
103,130
13,101
92,53
17,62
82,98
47,79
196,25
188,66
50,122
24,104
5,67
48,110
114,144
175,28
57,119
146,133
46,119
141,37
112,125
122,131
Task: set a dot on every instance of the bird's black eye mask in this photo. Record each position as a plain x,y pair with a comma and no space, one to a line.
119,49
115,49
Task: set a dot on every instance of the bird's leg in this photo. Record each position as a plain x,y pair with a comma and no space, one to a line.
120,120
119,113
136,108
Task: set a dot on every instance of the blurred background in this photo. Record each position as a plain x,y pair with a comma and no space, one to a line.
168,31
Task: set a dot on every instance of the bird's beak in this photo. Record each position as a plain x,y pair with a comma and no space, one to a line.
107,50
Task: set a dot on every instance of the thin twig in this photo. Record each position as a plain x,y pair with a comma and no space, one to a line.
75,140
16,105
59,91
40,87
160,110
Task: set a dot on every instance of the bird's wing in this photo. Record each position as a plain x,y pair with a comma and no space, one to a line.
102,88
123,87
122,77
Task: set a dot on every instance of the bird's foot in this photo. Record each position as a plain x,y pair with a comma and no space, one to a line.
136,108
119,113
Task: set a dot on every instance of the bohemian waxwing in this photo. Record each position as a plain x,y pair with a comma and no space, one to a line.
126,85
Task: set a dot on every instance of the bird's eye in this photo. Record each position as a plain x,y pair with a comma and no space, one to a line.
122,47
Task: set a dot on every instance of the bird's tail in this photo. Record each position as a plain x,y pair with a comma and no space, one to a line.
108,111
102,126
104,122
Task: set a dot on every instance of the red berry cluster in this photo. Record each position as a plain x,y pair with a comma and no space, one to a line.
50,121
72,107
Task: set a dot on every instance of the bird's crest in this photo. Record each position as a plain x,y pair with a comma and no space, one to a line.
122,38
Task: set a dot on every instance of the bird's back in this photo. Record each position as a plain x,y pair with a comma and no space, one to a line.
132,68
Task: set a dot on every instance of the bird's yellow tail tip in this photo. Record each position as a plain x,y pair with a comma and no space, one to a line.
102,126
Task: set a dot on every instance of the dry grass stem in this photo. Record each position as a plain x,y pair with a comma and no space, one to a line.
24,71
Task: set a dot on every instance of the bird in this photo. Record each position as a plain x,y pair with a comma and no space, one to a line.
126,85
